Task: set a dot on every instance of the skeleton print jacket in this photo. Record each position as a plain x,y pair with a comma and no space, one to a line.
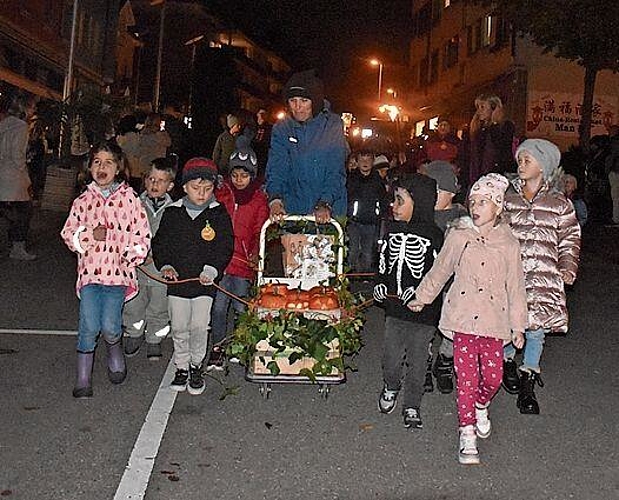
406,255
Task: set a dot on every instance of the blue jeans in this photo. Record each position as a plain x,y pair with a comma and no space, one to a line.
239,287
100,312
533,348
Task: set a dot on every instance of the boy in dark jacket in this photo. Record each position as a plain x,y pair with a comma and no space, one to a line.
407,253
367,202
195,238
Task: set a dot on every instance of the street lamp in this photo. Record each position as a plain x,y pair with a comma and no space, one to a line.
376,62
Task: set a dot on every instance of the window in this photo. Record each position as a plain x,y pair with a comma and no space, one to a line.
434,67
423,72
450,52
487,30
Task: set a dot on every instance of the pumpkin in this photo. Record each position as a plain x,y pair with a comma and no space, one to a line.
324,302
275,288
272,301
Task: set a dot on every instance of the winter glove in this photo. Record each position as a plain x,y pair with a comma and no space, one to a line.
380,292
208,275
407,294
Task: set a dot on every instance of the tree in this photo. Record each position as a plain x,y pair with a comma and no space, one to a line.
584,31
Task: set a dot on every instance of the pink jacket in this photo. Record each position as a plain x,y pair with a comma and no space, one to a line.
127,243
487,297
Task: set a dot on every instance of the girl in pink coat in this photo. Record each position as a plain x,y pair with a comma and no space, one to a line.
484,308
108,229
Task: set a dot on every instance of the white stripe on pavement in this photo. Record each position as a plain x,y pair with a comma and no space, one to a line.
37,332
138,471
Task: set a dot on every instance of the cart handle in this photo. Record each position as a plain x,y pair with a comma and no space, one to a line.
307,218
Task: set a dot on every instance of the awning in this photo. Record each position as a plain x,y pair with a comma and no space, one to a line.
22,82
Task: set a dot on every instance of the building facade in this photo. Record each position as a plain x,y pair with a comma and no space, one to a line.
460,50
35,40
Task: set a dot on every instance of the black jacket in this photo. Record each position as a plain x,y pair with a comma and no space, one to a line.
367,197
179,243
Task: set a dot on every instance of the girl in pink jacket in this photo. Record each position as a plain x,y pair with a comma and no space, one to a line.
484,308
108,229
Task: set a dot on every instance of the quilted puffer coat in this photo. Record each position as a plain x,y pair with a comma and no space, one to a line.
549,236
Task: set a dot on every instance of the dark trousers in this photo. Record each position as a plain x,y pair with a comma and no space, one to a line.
18,213
406,343
362,246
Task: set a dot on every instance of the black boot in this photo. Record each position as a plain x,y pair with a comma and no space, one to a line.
511,377
443,371
83,382
116,366
527,402
428,384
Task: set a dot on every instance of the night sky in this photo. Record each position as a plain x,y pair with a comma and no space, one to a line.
337,37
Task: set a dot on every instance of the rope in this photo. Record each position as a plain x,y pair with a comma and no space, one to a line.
189,280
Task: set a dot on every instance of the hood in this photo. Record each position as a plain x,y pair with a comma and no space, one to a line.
423,191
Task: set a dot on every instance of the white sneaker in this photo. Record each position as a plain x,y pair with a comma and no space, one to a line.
468,454
387,400
483,427
19,252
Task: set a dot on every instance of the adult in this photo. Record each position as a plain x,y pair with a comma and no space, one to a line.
442,144
612,169
224,145
491,138
15,185
143,147
306,170
262,140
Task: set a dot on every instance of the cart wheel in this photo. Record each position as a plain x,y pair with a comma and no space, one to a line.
265,390
324,391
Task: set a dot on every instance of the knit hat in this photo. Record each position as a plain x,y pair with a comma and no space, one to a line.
381,161
199,168
244,156
443,173
492,186
231,121
423,192
306,84
545,152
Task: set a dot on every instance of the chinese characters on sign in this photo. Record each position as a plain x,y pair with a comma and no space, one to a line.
556,114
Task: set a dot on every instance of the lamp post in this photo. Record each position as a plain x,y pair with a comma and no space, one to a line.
193,42
157,89
376,62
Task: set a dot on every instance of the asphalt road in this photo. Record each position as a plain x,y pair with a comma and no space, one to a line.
296,444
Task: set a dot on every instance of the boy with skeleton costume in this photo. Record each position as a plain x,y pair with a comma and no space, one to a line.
408,250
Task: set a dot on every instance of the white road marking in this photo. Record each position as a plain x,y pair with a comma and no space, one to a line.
37,332
134,482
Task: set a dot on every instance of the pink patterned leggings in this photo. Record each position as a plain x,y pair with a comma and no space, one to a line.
479,368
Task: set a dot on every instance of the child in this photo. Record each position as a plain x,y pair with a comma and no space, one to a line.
194,239
108,229
148,310
410,245
545,223
248,208
445,211
484,308
367,202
